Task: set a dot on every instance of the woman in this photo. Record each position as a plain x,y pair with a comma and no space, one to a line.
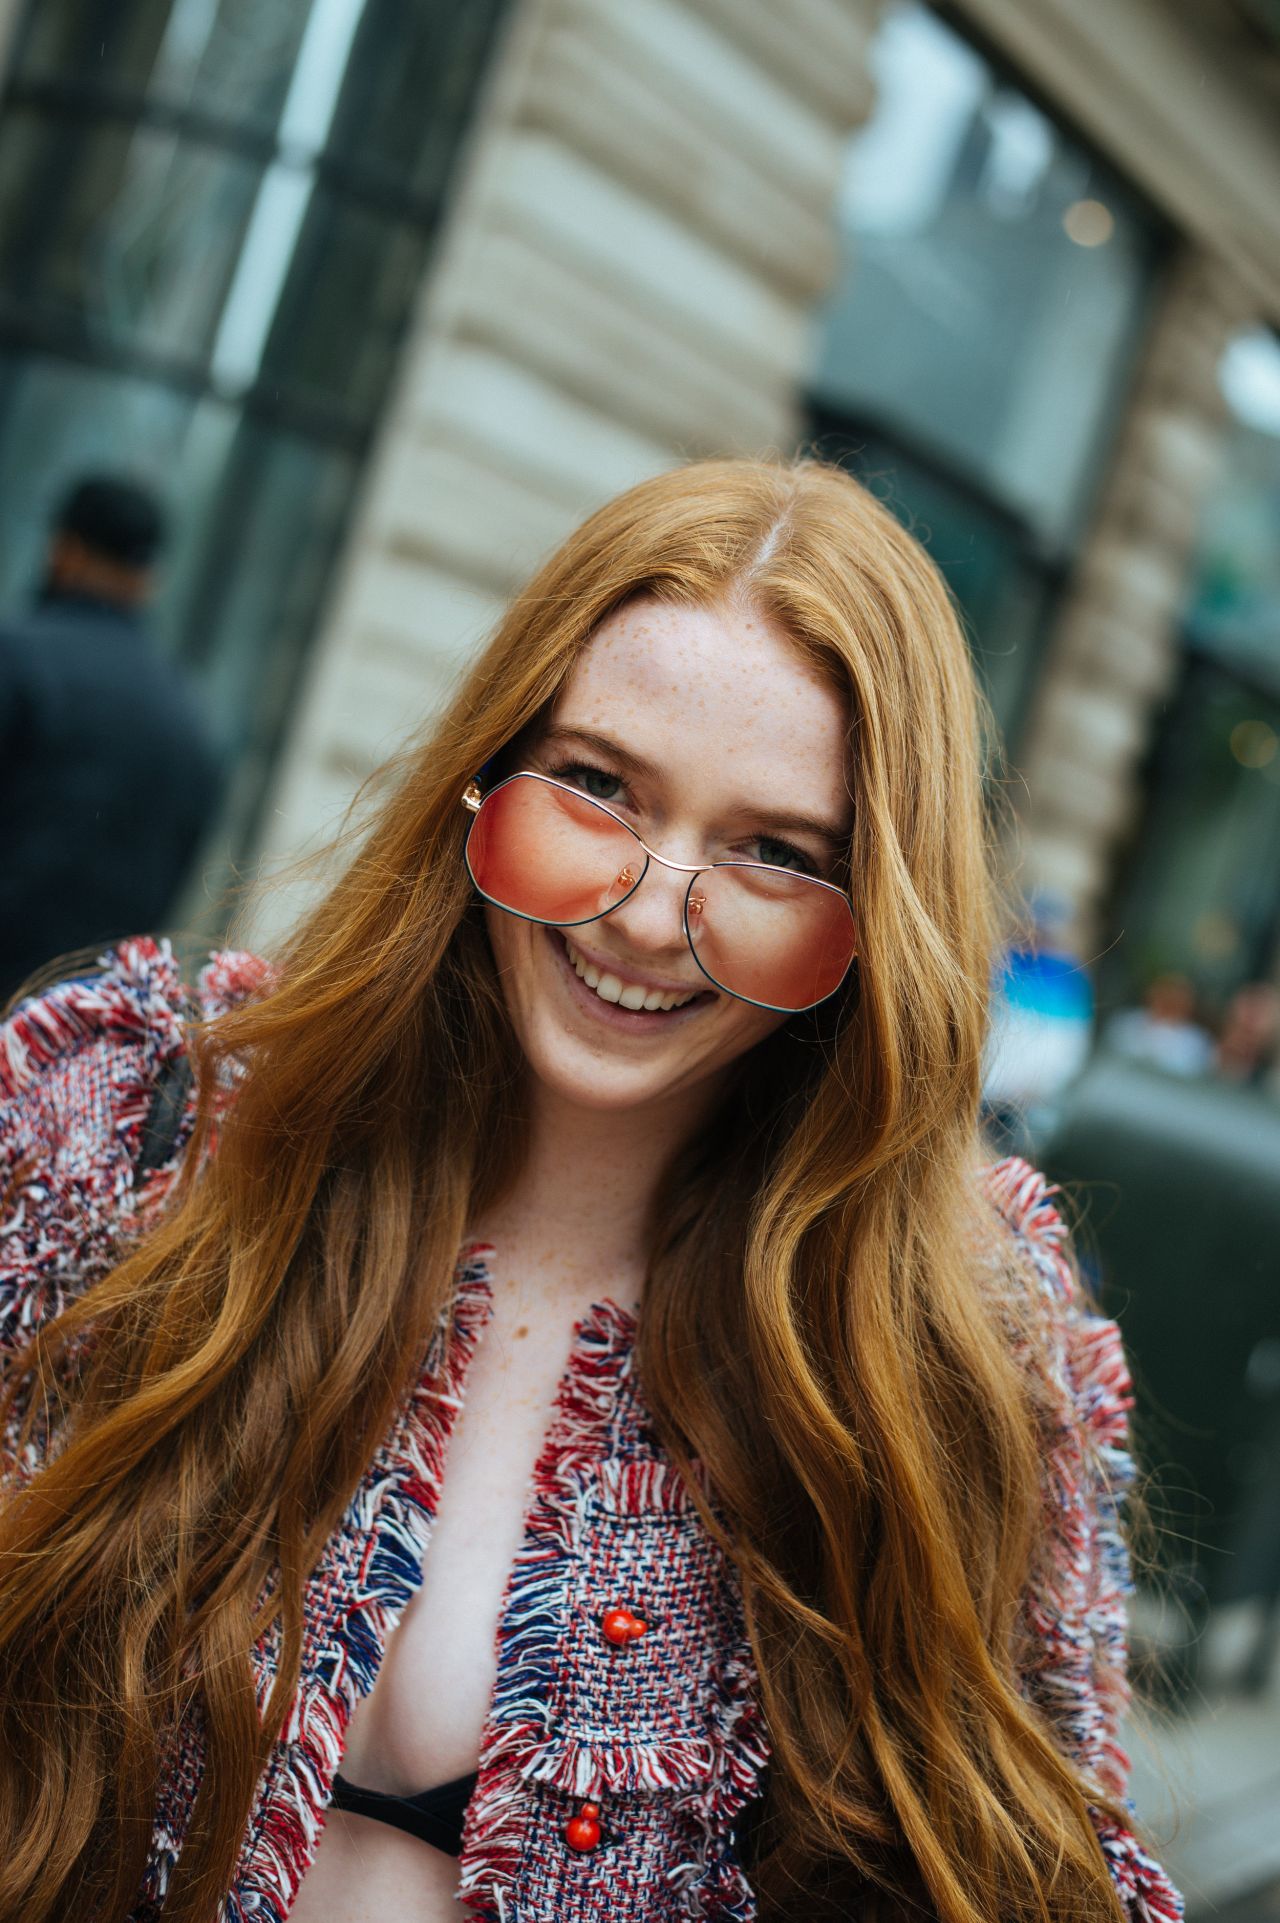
658,989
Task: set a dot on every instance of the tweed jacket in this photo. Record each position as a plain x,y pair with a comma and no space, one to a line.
665,1734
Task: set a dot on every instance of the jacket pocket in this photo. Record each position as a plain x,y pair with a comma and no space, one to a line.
659,1729
668,1706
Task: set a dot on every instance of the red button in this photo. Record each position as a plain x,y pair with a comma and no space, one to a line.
582,1832
619,1627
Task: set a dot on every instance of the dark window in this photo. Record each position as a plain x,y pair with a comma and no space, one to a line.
214,217
981,331
1198,892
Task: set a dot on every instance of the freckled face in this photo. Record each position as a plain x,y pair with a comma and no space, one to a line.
733,730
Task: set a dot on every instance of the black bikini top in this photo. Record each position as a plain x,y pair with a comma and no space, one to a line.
434,1815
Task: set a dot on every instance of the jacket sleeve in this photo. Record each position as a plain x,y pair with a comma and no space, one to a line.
1076,1666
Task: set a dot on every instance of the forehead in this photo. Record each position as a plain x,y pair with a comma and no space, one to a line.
725,686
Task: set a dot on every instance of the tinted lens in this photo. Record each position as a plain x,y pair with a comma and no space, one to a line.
773,937
550,854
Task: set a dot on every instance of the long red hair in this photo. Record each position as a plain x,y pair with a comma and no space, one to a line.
828,1325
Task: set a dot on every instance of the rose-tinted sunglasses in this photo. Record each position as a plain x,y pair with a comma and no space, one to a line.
548,853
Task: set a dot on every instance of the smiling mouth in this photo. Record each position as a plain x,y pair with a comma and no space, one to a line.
621,993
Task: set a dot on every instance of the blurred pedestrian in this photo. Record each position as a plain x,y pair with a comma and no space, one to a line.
1249,1034
108,772
1165,1032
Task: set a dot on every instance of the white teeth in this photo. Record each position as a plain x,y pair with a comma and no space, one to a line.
628,995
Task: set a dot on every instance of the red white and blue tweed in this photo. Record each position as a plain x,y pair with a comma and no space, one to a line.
668,1738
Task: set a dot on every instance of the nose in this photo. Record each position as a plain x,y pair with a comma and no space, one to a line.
651,919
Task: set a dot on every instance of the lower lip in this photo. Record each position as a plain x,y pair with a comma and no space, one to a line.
626,1021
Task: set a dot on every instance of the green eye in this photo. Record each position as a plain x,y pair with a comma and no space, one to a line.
596,782
782,854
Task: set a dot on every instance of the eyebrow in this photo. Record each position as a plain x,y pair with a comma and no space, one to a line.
637,764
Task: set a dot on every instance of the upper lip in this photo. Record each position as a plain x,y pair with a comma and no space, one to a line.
628,975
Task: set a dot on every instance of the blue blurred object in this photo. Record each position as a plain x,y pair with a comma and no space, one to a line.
1041,1029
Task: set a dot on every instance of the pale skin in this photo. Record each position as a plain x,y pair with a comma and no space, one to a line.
741,734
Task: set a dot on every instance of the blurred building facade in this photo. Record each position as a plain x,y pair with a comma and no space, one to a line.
391,294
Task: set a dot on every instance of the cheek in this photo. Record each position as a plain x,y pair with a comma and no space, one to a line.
745,1027
508,936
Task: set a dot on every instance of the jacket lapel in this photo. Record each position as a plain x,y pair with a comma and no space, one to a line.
370,1569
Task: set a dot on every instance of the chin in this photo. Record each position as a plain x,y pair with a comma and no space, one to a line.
608,1084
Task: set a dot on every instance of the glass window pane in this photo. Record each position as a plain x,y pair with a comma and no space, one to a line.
213,221
270,532
1003,596
227,57
993,282
350,284
1201,899
1234,601
268,542
407,93
118,230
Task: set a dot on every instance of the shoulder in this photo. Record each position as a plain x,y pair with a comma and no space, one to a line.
80,1050
1081,1349
1023,1197
80,1066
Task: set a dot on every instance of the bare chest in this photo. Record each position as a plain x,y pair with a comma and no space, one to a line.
421,1724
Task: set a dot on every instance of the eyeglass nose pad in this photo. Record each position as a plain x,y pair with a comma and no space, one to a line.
626,878
696,904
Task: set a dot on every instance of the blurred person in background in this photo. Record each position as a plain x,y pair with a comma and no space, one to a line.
1248,1035
1165,1032
108,772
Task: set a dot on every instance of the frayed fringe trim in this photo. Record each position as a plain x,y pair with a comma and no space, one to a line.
594,1769
1141,1885
1022,1195
229,977
137,1004
393,1509
643,1488
136,1001
137,990
160,1867
1077,1609
1099,1372
713,1881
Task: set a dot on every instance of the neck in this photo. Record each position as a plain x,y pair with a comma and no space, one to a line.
579,1207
